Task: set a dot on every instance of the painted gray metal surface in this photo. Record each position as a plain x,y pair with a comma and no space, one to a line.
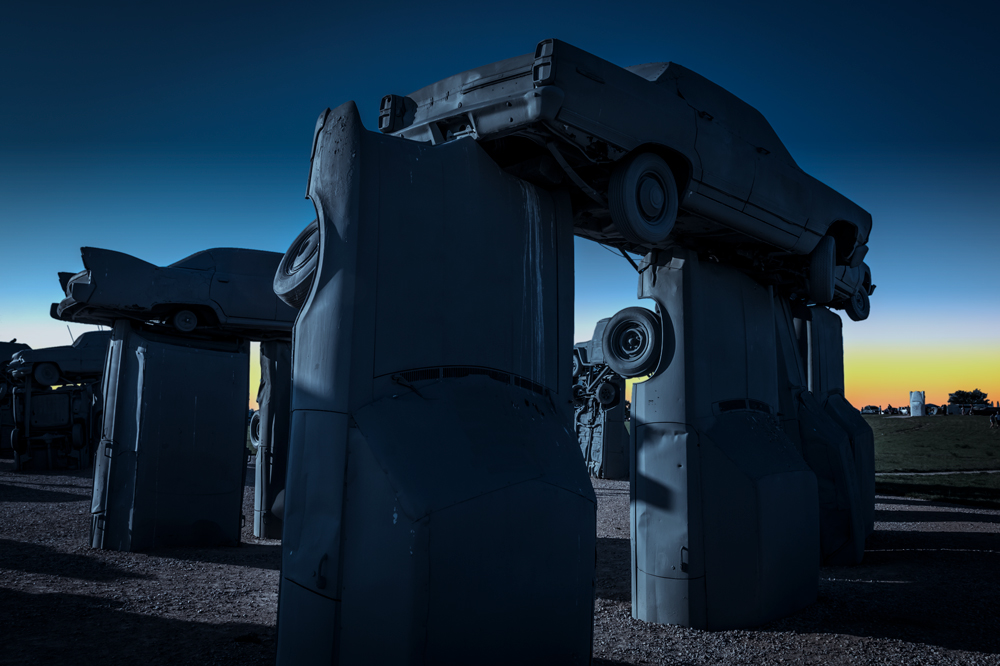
826,381
811,371
220,291
600,426
171,462
81,361
725,525
562,116
7,350
56,428
917,403
274,398
437,508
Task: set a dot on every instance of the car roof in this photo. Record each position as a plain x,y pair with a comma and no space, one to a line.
724,107
231,260
92,339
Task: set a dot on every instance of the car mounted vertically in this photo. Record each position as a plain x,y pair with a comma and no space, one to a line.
655,154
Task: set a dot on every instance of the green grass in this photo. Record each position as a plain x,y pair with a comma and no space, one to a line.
935,444
938,444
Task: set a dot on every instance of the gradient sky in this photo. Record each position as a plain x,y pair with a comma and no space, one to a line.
160,129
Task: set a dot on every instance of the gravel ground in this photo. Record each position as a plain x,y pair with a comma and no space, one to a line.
926,593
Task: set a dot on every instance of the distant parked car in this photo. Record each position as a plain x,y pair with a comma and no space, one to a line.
871,409
220,288
654,154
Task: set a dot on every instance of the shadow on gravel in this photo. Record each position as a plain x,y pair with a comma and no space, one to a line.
258,556
964,495
87,631
614,578
934,588
10,493
931,516
37,559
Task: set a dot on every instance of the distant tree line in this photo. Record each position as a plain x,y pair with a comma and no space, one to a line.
974,397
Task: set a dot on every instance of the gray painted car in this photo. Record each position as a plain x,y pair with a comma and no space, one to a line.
221,289
655,154
81,361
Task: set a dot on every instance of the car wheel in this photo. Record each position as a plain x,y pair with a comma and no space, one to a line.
77,436
607,395
642,197
255,432
46,374
632,342
859,306
294,277
822,263
184,321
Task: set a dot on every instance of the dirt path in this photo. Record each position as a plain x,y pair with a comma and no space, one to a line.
925,594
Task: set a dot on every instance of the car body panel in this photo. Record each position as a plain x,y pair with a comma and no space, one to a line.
228,288
83,360
741,186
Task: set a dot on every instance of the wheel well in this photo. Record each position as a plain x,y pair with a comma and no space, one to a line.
845,235
678,163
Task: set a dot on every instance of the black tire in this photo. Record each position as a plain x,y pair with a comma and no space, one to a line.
184,321
822,264
859,306
576,364
608,395
46,374
255,432
632,342
642,198
294,277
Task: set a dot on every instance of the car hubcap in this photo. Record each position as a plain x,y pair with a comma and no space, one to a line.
305,252
186,321
631,341
651,197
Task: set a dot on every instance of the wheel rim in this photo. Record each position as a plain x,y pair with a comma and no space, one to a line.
859,301
651,197
185,321
303,253
630,340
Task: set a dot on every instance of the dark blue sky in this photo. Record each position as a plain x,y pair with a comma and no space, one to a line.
160,129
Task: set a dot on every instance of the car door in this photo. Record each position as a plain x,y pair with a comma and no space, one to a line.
243,284
728,160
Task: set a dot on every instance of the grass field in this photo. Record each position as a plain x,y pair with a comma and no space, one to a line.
937,444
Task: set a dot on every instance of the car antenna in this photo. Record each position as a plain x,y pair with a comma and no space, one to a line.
71,338
624,254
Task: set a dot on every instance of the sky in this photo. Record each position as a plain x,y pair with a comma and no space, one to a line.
160,129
